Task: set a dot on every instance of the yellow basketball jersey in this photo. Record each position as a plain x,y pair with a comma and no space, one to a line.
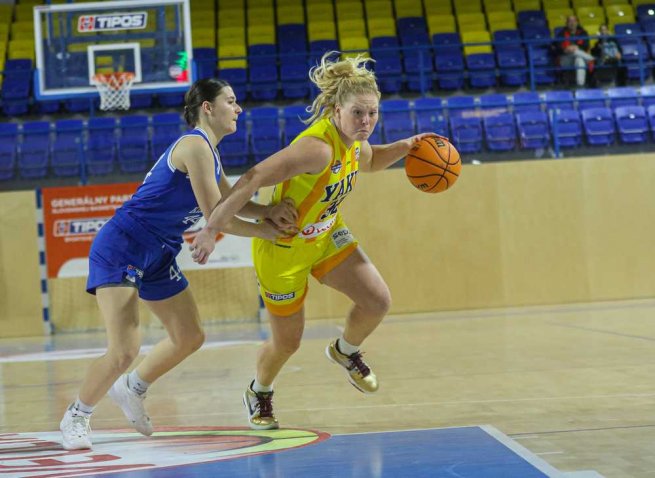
318,196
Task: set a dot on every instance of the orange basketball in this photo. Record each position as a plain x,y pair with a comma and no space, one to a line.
433,165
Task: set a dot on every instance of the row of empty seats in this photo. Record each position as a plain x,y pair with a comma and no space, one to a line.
494,122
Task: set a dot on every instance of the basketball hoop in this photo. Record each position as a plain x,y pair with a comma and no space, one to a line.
114,89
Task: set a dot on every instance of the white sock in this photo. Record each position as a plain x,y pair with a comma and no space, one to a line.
346,348
258,387
81,409
136,384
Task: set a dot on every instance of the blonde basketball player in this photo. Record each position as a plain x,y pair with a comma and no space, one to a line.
316,171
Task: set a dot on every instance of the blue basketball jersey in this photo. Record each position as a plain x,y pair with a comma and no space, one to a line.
164,204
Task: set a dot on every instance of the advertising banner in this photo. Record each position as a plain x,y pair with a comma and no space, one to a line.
72,216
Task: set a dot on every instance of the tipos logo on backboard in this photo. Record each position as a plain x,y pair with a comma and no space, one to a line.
113,21
40,455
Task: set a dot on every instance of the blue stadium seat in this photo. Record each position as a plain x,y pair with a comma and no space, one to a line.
647,9
647,95
47,107
133,155
532,18
319,47
293,77
566,126
418,68
384,46
292,38
543,63
450,70
170,100
15,90
599,126
67,148
512,63
634,56
457,105
447,43
8,150
206,60
388,71
622,96
376,135
165,130
35,150
650,111
398,123
506,39
530,32
238,80
81,105
533,129
628,33
263,78
466,133
388,66
632,124
429,116
590,98
481,69
526,101
234,147
140,101
500,132
413,31
293,125
101,145
495,101
265,133
417,53
562,99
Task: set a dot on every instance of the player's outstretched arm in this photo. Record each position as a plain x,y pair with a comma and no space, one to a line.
379,157
283,215
308,155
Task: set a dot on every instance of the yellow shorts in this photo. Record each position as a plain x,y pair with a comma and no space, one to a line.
283,271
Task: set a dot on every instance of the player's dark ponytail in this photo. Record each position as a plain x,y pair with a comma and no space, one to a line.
203,90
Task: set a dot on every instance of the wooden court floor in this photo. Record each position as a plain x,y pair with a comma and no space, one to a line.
574,384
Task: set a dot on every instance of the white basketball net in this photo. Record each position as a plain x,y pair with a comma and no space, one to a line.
114,89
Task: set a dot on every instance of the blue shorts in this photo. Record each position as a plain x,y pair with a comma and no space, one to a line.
118,256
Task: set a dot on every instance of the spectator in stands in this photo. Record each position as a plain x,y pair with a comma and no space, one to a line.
133,256
574,51
608,55
317,171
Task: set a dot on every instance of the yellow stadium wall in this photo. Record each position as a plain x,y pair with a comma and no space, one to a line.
508,234
20,283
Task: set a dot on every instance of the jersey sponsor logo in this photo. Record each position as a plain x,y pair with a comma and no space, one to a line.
114,21
78,227
317,228
133,272
336,167
342,237
280,297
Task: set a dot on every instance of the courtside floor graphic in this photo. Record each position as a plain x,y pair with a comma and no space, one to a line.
463,452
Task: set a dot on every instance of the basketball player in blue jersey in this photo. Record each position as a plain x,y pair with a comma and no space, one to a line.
133,256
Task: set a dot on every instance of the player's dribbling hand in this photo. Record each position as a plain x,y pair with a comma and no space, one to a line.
412,140
202,246
284,215
270,232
